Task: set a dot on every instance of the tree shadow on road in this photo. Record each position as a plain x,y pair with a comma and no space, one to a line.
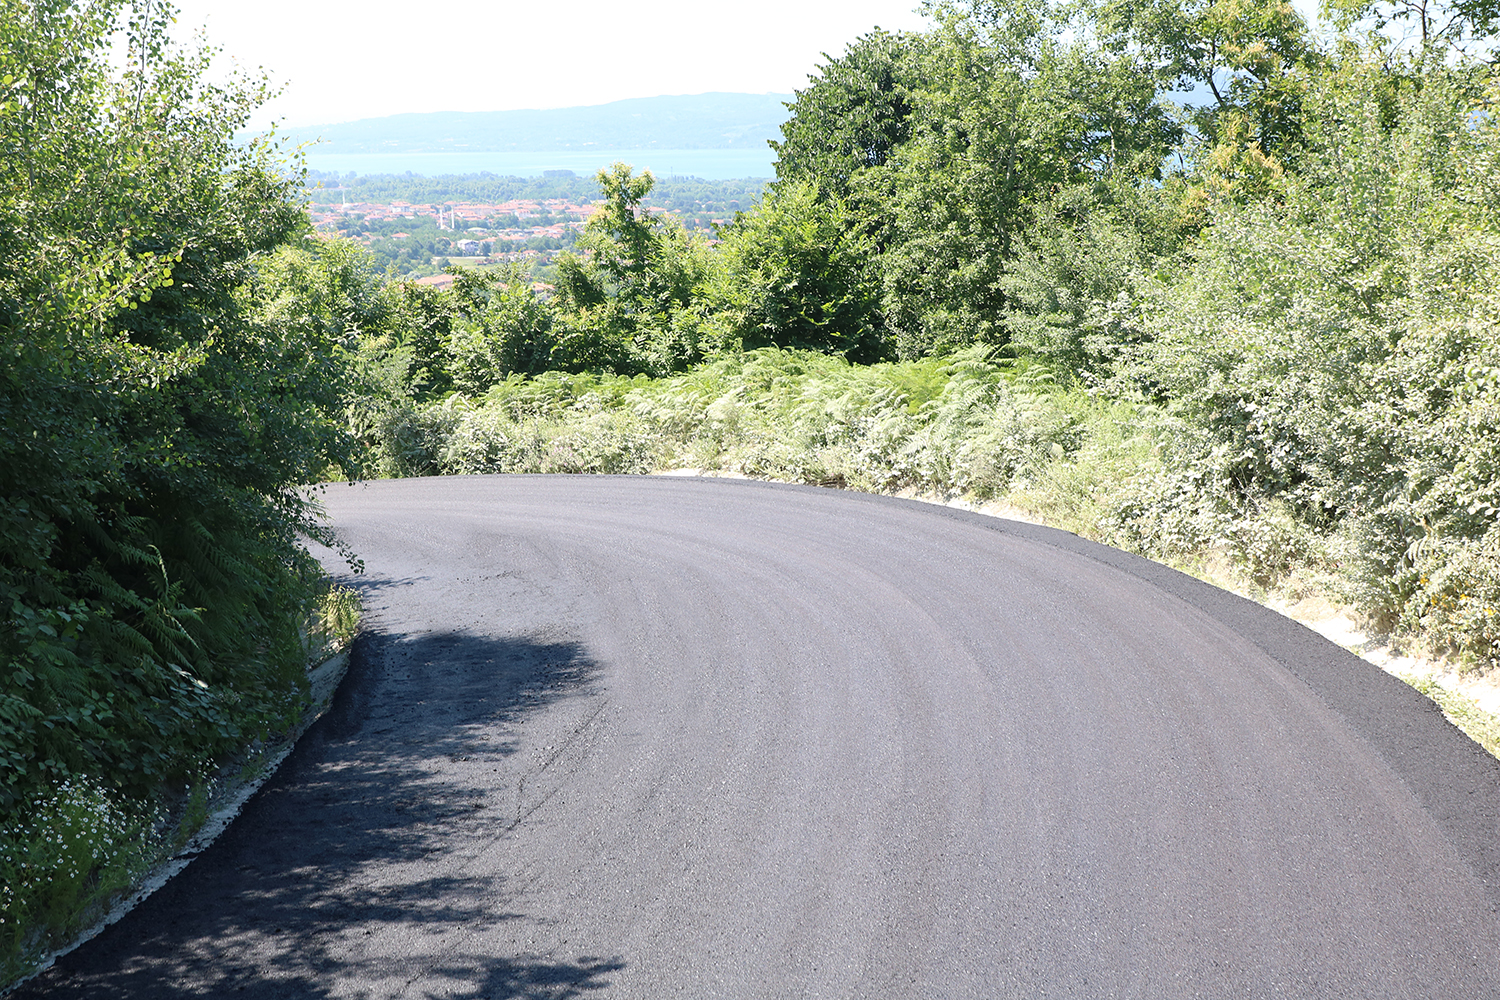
373,863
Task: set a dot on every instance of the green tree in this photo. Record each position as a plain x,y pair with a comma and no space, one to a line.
1245,53
1464,25
855,115
502,328
624,295
797,275
1330,350
942,146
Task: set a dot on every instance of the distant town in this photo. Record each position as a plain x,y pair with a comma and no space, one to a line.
499,223
420,238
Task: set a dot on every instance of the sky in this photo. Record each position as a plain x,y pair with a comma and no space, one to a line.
340,61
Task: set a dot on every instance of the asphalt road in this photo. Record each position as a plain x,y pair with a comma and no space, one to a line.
662,738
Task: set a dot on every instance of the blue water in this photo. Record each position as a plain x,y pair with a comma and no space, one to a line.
711,164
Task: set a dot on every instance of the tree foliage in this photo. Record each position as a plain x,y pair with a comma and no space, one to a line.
1329,345
1434,27
797,275
858,111
158,419
938,149
627,300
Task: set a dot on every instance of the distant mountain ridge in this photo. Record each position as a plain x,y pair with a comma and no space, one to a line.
694,121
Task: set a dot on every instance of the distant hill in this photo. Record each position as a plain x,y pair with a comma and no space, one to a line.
696,121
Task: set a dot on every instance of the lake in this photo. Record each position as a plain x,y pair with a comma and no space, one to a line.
710,164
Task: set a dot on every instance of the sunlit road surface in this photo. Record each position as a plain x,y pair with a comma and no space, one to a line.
666,738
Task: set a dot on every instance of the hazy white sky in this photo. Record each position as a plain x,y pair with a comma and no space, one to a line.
340,60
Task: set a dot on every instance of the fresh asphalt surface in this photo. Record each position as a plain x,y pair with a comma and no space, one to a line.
675,738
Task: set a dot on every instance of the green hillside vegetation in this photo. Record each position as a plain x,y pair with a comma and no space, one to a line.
997,261
1261,330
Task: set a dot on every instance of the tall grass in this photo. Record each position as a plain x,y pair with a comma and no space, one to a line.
955,425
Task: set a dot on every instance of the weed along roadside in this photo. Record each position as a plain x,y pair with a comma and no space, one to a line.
81,863
181,832
87,855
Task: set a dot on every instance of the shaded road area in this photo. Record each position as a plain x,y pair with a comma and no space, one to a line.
657,738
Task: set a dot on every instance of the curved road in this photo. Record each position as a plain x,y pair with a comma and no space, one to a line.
655,738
